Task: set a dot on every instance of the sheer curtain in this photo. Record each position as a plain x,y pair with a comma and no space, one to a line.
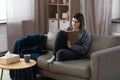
24,17
98,16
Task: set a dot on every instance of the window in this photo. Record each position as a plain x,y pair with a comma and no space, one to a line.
2,11
115,9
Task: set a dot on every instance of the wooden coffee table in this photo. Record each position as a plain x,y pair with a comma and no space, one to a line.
17,66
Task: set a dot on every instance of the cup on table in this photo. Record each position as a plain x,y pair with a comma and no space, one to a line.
27,58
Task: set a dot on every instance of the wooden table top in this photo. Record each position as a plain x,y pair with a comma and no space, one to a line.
19,65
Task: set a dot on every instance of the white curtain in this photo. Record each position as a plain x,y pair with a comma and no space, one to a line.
24,17
98,16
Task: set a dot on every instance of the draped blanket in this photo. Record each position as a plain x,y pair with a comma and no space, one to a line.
31,44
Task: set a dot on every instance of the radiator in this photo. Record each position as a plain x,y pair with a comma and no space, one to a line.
3,42
115,33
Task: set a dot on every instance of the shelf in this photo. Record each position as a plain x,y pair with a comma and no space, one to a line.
58,11
59,4
52,4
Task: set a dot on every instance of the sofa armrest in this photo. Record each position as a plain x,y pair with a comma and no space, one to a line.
105,64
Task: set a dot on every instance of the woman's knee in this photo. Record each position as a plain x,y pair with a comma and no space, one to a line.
59,52
62,33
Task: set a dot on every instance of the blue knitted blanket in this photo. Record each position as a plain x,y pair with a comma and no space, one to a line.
33,44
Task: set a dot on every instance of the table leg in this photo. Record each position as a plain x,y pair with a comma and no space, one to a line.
1,74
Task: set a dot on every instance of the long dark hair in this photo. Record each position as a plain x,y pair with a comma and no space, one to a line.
80,18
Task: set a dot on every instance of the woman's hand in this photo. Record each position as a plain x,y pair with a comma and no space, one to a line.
69,44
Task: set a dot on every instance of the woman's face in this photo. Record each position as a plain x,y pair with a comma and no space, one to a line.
75,24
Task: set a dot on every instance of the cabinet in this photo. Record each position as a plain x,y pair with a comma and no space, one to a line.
59,13
53,25
63,24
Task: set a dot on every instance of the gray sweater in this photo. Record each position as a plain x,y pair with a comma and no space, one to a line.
81,47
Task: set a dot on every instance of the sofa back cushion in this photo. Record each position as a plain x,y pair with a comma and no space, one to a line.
100,42
51,36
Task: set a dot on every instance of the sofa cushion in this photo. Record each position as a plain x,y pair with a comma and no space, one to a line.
100,42
42,60
78,68
51,36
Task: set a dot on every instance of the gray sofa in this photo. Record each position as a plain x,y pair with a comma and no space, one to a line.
101,63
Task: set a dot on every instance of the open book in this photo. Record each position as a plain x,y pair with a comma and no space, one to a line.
72,36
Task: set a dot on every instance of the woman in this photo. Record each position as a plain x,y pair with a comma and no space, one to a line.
64,49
